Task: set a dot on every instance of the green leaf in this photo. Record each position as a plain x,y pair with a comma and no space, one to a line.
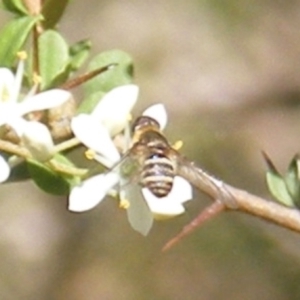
53,11
62,77
278,188
66,165
121,74
13,37
80,46
79,53
15,6
19,173
292,181
53,57
48,180
276,183
88,105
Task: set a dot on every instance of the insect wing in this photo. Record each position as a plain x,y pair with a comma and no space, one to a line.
139,215
202,180
129,168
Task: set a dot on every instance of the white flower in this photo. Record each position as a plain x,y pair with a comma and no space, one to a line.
113,111
12,111
37,139
109,118
4,169
95,132
93,190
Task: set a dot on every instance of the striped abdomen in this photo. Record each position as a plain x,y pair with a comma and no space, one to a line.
158,175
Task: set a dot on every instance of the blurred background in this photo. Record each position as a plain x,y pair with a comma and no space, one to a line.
229,75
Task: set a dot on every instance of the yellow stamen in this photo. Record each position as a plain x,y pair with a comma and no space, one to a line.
177,145
90,154
37,79
22,55
124,203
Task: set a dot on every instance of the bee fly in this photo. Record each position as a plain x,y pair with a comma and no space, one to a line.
158,171
153,163
149,163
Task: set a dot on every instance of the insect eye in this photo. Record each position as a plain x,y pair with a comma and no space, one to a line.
136,124
142,122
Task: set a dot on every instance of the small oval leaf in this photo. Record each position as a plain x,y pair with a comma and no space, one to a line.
292,181
15,6
66,167
121,74
278,188
13,37
47,180
53,11
19,173
79,53
88,104
53,57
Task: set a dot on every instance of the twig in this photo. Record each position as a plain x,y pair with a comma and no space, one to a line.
238,199
15,149
268,210
229,197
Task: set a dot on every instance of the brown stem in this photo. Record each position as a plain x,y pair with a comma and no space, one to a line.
34,6
268,210
36,32
15,149
234,198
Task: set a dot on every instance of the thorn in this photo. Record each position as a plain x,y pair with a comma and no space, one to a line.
72,83
208,213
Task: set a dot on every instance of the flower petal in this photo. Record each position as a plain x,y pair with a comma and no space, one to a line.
7,79
44,100
37,139
171,205
114,108
162,208
157,112
91,191
182,190
18,81
8,117
4,169
17,123
94,136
